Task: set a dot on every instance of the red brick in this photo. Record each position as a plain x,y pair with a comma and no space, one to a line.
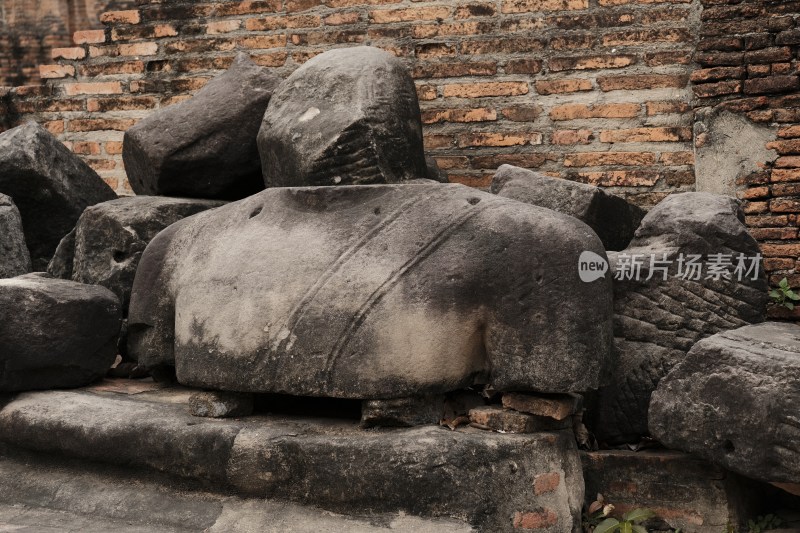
524,6
477,90
100,124
595,159
122,103
429,31
429,50
471,180
522,113
716,74
645,37
784,205
527,160
544,483
475,10
511,45
222,26
654,134
427,92
583,111
56,71
409,14
483,114
677,158
641,81
498,139
454,70
263,41
663,108
572,137
572,41
563,86
434,142
590,62
619,178
337,19
710,90
772,84
107,87
113,147
780,250
788,162
89,36
542,519
120,17
138,49
784,147
73,53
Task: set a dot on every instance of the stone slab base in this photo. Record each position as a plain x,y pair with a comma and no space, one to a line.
494,481
683,491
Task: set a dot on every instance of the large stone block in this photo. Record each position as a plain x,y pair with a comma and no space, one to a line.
658,320
14,257
204,147
611,217
55,333
349,116
50,185
735,400
110,237
372,292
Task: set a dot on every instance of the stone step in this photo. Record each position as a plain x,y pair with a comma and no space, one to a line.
495,481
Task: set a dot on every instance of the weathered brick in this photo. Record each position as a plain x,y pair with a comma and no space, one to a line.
482,114
562,86
130,16
477,90
222,26
545,483
73,53
429,50
99,124
475,10
644,37
454,70
113,147
583,111
677,57
471,180
771,85
663,108
539,519
381,16
122,103
522,113
89,36
523,66
56,71
499,139
572,137
784,205
108,87
338,19
786,189
641,81
716,74
788,162
263,42
654,134
138,49
677,158
618,178
427,92
709,90
783,148
429,31
523,6
558,64
571,41
780,250
511,45
769,55
527,160
596,159
437,141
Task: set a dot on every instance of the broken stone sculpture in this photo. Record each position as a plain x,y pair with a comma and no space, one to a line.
611,217
349,116
109,238
50,185
14,257
55,333
372,292
734,401
204,147
657,320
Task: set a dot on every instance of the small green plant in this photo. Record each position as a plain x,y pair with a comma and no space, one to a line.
631,522
784,295
764,523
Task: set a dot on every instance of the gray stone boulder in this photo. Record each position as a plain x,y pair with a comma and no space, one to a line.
734,401
349,116
657,320
372,292
110,237
204,147
611,217
50,185
55,333
14,257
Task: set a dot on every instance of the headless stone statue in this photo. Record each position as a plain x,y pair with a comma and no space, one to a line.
380,291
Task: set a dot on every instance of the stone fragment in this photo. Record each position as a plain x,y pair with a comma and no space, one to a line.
348,116
657,320
508,421
204,147
110,237
217,404
50,185
555,406
377,292
402,412
734,401
55,333
14,257
434,172
611,217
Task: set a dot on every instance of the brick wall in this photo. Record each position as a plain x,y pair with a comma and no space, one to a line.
598,89
747,65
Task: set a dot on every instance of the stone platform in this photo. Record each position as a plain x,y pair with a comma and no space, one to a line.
492,481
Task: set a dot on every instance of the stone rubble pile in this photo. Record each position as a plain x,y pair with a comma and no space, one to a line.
297,243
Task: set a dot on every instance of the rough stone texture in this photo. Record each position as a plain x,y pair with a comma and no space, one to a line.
734,401
683,491
204,147
55,333
507,421
50,185
402,412
558,406
468,474
110,237
216,404
611,217
14,257
731,147
348,116
372,292
656,322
